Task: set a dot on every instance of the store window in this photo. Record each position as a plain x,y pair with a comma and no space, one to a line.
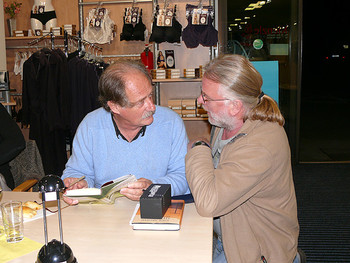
267,31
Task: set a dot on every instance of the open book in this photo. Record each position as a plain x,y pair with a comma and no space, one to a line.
170,221
105,195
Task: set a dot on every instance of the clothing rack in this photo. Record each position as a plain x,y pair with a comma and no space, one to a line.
37,40
121,56
66,36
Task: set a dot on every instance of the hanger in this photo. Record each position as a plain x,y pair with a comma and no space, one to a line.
200,5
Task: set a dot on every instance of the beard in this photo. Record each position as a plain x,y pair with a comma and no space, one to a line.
222,120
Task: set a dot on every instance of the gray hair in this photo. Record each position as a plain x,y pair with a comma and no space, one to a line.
112,82
239,80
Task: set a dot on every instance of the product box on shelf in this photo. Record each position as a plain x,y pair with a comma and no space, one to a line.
189,104
188,113
175,104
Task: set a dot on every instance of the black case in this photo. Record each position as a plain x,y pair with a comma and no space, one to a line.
155,201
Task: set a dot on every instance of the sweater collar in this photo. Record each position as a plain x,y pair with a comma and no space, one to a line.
118,133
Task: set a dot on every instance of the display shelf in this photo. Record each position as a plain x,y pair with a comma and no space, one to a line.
177,80
195,119
11,103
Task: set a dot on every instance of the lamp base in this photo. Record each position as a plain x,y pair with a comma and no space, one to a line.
55,252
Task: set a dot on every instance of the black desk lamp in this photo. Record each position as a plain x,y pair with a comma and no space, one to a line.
53,251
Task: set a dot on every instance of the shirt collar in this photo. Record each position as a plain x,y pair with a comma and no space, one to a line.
118,133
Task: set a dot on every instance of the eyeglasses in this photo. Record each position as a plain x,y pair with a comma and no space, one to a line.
205,99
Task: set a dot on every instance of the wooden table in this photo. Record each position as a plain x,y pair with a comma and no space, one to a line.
101,233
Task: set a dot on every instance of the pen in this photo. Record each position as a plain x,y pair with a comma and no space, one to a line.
77,181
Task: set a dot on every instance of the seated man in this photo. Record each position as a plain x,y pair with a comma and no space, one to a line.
129,135
244,177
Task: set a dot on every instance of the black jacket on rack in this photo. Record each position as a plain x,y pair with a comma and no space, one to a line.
83,82
46,106
11,144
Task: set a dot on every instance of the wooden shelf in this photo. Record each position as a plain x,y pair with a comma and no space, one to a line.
176,80
11,103
195,119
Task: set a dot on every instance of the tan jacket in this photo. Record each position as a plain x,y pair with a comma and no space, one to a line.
252,190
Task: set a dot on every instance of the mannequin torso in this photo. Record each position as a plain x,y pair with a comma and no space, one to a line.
43,14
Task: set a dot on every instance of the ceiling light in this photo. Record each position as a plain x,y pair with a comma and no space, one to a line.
247,17
238,19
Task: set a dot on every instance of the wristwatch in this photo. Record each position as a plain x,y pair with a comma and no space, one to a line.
200,143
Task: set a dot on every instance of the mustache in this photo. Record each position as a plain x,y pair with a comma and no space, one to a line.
148,114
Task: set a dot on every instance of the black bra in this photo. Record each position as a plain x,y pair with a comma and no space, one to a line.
131,32
164,33
193,35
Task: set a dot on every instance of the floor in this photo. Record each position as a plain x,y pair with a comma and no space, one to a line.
323,198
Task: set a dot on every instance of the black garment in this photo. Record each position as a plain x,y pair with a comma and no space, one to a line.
46,106
44,17
165,33
83,83
193,35
131,32
11,144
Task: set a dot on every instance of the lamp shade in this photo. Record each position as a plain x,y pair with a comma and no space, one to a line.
51,183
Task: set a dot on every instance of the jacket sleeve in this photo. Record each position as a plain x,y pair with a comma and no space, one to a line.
11,138
240,174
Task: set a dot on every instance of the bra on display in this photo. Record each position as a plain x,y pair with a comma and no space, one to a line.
200,29
133,28
99,27
165,27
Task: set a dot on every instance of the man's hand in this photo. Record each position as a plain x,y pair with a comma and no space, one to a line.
67,182
135,189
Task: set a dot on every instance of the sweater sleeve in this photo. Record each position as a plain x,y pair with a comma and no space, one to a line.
11,138
176,175
81,162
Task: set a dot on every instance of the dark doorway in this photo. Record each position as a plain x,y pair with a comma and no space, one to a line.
325,89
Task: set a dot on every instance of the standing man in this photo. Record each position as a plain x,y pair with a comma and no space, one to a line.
129,135
244,178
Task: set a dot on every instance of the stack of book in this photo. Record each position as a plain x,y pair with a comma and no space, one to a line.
71,29
46,31
171,220
19,33
172,73
189,73
158,74
56,31
193,72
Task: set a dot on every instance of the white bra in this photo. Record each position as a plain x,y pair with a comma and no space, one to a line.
99,28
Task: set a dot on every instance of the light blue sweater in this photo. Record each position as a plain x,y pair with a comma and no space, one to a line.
159,155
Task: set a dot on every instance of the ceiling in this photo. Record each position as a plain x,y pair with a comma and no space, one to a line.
272,13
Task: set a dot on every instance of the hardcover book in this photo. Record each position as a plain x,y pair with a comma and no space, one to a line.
170,221
105,195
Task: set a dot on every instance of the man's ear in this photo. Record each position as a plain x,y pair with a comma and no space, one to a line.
115,108
236,107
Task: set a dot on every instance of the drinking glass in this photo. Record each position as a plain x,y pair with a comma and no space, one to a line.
12,218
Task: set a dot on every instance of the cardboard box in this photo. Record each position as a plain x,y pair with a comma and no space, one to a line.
188,113
155,200
189,104
175,104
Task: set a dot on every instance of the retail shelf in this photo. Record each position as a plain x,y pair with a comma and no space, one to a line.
195,119
177,80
